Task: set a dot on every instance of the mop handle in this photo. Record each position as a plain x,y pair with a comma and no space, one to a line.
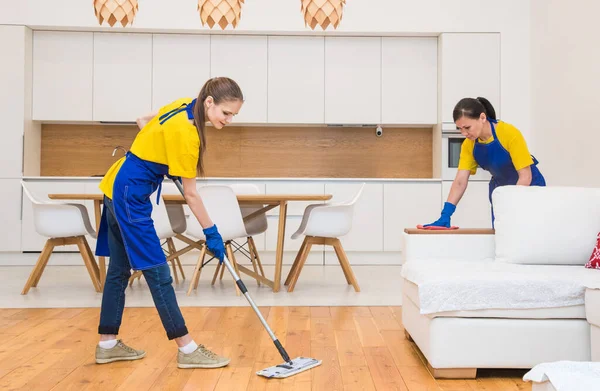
243,289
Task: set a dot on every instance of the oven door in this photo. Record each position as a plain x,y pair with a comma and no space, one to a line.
451,145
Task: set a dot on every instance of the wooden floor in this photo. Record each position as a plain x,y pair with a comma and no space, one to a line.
362,348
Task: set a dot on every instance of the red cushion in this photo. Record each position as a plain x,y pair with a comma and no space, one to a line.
594,262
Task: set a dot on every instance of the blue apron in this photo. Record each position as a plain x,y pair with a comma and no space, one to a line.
135,182
493,157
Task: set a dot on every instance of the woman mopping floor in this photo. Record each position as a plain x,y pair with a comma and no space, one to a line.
171,142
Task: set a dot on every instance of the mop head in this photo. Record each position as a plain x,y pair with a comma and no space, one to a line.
299,364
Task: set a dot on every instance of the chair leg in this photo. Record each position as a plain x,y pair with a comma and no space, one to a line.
251,240
42,266
234,265
137,274
89,263
41,263
173,250
222,271
197,270
200,266
253,258
216,273
295,264
300,265
339,256
345,264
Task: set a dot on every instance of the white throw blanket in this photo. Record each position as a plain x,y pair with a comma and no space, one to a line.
462,286
567,375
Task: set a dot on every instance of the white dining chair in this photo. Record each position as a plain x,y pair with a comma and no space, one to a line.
325,224
256,225
224,210
63,223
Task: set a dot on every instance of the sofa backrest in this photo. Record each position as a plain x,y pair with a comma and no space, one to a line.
546,225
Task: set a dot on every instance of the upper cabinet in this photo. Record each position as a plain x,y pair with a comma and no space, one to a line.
409,84
353,80
85,76
180,67
122,76
469,67
296,80
244,59
63,69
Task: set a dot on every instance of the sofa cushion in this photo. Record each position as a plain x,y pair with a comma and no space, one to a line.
546,225
411,291
466,286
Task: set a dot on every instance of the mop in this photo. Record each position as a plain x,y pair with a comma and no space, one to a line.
289,367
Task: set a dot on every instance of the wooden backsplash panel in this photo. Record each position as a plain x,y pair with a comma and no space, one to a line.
237,151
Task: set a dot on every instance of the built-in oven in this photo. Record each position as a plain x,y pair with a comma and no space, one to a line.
452,142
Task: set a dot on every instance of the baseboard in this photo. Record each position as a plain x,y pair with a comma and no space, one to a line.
67,258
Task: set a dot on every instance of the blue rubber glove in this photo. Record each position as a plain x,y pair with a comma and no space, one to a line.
214,242
444,220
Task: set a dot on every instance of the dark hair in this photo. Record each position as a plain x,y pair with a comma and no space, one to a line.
472,108
222,89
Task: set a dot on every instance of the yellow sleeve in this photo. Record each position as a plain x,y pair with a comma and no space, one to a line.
514,142
182,146
467,160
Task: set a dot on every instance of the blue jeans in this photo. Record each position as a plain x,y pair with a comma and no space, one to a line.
119,270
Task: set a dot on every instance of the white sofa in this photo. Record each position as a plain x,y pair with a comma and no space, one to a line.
509,298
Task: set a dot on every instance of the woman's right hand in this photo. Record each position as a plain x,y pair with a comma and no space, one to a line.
444,220
214,242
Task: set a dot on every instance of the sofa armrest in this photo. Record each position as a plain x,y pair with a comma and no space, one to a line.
452,245
592,312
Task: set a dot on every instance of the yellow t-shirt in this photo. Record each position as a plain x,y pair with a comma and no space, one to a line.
510,138
175,144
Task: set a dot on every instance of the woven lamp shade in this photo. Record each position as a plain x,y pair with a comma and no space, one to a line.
322,12
113,11
221,12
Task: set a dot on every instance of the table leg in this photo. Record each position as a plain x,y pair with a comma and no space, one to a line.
101,260
279,251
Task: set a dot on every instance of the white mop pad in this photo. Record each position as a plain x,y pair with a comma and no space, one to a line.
299,364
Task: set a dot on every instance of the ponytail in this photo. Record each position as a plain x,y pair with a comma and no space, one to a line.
221,89
472,108
489,109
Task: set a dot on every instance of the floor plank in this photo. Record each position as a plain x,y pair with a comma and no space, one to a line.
362,348
385,319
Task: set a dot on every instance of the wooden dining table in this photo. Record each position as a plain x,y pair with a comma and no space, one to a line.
267,201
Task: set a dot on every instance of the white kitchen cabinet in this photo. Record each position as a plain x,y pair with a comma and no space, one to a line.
31,240
473,210
180,66
352,80
296,80
367,224
15,87
405,205
122,76
63,69
243,59
470,67
10,201
409,80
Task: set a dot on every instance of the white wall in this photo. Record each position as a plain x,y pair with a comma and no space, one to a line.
377,17
565,80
